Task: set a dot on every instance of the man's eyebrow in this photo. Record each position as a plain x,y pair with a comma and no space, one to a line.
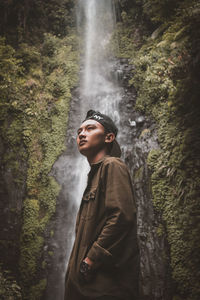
90,125
94,125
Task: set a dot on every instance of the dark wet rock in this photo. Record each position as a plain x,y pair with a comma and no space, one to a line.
129,106
139,137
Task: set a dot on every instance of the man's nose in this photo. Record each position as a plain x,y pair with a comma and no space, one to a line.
82,134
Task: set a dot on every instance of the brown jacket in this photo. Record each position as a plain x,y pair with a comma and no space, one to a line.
106,233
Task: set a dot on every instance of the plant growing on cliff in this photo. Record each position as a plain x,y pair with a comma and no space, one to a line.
35,90
9,289
48,86
166,77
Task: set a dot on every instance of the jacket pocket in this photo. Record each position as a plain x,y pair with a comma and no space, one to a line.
88,205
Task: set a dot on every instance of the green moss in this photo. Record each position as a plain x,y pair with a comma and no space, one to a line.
177,298
160,230
139,174
35,95
12,150
166,79
44,131
50,253
145,133
37,291
44,264
9,289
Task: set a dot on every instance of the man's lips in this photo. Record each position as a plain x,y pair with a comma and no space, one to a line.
82,142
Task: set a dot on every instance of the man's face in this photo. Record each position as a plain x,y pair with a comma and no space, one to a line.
91,138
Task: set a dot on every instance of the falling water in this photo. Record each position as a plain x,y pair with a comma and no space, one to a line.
99,90
96,23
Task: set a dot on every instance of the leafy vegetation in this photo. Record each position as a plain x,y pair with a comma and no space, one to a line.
28,20
35,92
9,289
166,76
48,89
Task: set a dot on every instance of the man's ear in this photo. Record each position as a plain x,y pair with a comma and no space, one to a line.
109,137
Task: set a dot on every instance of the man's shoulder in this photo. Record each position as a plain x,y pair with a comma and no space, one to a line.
111,160
114,169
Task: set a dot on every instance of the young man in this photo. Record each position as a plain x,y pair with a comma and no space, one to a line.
104,260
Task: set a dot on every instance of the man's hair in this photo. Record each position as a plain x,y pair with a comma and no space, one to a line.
104,120
109,126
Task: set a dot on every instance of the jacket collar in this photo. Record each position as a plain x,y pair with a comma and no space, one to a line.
96,164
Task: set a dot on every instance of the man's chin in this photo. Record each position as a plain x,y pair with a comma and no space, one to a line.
83,151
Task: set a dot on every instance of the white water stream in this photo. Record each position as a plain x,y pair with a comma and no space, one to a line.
98,86
100,90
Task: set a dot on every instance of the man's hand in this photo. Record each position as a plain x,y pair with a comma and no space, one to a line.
86,269
88,261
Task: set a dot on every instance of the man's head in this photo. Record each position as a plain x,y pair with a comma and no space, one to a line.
96,134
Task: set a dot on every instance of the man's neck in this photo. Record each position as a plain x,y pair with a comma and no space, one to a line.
97,157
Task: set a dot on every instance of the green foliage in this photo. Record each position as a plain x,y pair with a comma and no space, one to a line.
132,29
30,57
9,289
166,77
11,120
156,11
44,131
9,70
159,10
37,291
24,21
35,92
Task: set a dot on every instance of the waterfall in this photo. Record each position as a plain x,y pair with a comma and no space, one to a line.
96,23
99,90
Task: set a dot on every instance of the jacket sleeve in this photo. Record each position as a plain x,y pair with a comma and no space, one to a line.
120,214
